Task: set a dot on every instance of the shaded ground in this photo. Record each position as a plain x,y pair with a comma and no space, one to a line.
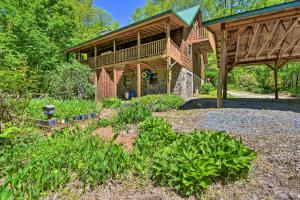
245,94
251,103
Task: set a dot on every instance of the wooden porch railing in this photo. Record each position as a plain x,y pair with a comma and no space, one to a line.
148,49
186,55
200,33
89,61
174,52
153,48
126,54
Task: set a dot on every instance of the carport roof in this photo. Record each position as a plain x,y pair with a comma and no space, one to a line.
253,13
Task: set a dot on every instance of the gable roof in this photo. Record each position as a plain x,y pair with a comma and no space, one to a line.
187,16
253,13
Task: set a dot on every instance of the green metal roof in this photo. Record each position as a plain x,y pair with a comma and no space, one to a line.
187,16
253,13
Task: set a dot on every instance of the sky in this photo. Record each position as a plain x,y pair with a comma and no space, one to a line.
120,9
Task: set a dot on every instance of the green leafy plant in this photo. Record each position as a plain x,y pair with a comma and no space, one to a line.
155,133
206,88
193,161
63,109
132,113
160,102
51,163
112,102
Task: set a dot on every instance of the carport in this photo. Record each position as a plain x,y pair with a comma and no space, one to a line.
269,36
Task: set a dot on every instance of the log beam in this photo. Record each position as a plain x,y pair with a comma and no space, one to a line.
225,84
222,67
139,82
276,80
169,75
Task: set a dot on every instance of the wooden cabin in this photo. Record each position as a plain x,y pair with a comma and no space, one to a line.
165,53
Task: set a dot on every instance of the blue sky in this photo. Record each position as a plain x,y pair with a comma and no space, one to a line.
120,9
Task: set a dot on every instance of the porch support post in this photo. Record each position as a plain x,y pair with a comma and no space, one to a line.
115,49
276,79
225,84
115,83
168,31
222,67
96,85
169,75
138,83
139,43
95,56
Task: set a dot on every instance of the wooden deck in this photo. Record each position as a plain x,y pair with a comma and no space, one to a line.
161,48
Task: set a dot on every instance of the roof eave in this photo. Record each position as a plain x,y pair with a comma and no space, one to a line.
170,11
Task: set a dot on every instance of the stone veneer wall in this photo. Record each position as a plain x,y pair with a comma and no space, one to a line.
182,81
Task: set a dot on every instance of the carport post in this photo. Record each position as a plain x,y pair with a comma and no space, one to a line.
225,84
222,67
276,79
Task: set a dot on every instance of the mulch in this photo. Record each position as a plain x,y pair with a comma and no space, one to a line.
125,139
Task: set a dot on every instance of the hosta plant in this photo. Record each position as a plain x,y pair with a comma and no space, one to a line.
193,161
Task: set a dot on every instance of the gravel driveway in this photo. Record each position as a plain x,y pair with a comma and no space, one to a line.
249,121
270,127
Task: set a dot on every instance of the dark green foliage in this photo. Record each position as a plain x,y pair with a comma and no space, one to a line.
160,102
63,109
206,88
112,102
192,162
71,80
65,157
132,113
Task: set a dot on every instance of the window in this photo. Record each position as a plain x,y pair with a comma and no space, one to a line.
127,81
190,51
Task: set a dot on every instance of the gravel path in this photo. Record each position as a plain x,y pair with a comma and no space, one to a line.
270,127
248,121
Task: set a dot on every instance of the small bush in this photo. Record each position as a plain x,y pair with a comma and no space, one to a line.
112,103
132,113
160,102
192,162
295,92
206,88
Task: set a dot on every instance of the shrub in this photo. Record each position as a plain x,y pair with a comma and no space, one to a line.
206,88
192,162
67,156
132,113
112,103
71,80
160,102
295,92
